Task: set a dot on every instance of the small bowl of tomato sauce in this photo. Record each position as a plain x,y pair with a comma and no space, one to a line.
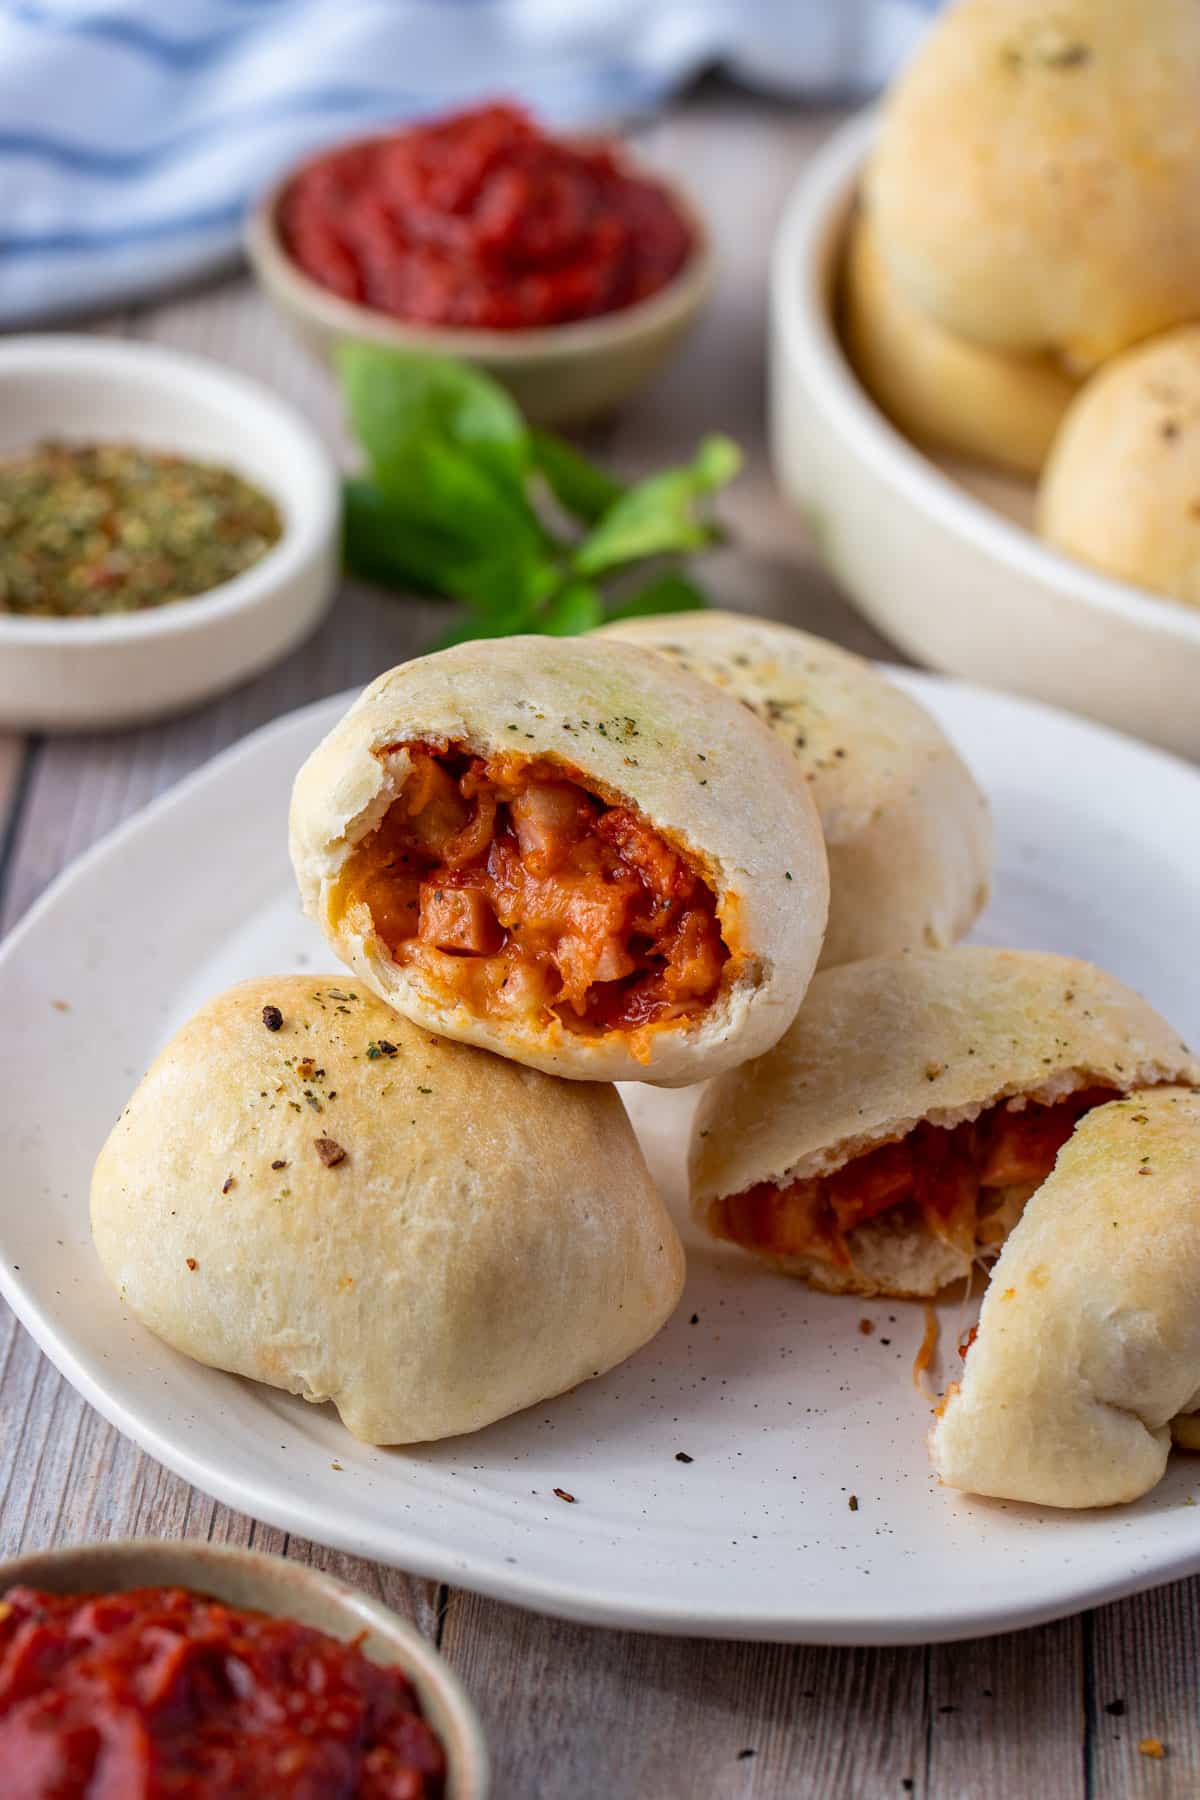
558,265
145,1668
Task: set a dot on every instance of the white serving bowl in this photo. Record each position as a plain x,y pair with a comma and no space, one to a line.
76,674
249,1579
935,554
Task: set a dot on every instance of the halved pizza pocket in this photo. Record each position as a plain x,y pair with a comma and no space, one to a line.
1086,1359
569,852
308,1190
892,1137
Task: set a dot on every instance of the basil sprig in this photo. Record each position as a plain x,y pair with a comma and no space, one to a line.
464,500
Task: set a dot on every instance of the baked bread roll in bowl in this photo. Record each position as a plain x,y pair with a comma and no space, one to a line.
1121,489
942,391
310,1191
907,831
570,852
1088,1343
891,1138
1036,181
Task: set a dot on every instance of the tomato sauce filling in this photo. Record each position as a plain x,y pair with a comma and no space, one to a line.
163,1694
483,221
511,887
965,1185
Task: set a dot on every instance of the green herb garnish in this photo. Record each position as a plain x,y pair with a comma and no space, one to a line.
464,500
113,528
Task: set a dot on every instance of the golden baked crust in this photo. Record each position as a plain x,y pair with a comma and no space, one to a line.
907,831
352,1209
1120,489
882,1044
1036,180
694,764
943,391
1089,1339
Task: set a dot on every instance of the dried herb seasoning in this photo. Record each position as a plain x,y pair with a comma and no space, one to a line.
115,528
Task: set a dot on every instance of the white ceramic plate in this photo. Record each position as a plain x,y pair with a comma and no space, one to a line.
784,1406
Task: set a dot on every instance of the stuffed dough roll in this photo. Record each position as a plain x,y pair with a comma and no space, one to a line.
907,830
569,852
307,1190
1086,1358
892,1137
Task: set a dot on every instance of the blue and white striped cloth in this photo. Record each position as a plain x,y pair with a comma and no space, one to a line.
133,133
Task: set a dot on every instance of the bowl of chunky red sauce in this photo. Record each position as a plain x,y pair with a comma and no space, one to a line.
560,265
142,1670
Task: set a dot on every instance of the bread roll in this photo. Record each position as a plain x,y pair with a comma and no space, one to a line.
1036,181
891,1138
1088,1344
942,391
354,1210
570,852
908,833
1121,490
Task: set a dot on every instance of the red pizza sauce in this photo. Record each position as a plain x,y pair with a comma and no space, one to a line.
161,1694
483,221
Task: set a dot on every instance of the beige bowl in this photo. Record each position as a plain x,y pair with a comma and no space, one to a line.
938,556
271,1584
558,375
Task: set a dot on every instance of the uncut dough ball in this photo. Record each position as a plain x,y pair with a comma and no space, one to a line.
479,1236
940,390
1036,183
1121,489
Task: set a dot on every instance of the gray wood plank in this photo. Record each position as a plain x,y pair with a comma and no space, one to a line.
574,1711
1006,1715
12,756
1142,1690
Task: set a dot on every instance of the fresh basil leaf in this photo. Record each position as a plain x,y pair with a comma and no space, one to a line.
508,590
577,608
670,593
580,488
446,488
402,400
381,543
444,530
659,516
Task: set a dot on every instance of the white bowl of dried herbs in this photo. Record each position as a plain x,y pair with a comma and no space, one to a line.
167,528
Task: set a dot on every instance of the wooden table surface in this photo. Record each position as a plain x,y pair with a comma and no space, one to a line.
570,1711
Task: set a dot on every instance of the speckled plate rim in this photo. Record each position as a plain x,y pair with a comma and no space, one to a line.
582,1600
285,1589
